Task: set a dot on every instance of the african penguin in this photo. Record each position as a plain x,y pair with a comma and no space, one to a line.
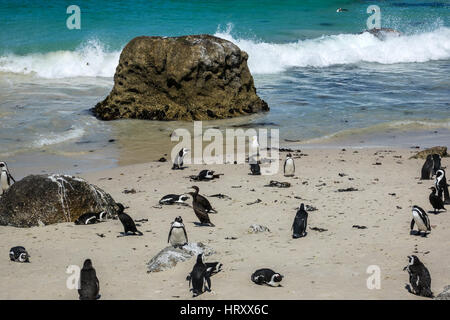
174,198
19,254
255,168
419,277
442,186
205,175
436,200
87,218
427,168
201,207
5,177
289,166
89,284
266,276
300,222
420,218
199,277
177,234
436,163
127,222
178,162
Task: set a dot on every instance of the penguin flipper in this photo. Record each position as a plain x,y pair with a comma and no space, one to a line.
185,234
170,233
412,224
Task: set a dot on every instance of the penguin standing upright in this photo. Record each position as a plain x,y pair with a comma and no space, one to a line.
5,177
289,166
199,277
420,218
442,186
19,254
255,168
178,162
89,284
177,234
266,276
127,222
201,207
427,168
436,200
419,277
436,163
300,222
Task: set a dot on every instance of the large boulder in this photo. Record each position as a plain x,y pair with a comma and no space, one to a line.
168,257
440,150
48,199
194,77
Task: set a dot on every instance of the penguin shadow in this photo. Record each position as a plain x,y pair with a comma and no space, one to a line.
199,224
129,233
435,212
418,233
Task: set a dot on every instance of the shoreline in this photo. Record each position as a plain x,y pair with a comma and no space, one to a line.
323,265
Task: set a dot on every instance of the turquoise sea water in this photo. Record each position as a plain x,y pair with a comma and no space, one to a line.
322,79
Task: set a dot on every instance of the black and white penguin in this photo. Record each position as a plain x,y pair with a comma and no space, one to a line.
442,186
436,200
102,215
177,234
87,218
267,276
420,217
178,162
419,277
436,163
19,254
205,175
199,277
289,166
127,222
255,169
300,222
174,198
427,168
5,177
89,284
201,207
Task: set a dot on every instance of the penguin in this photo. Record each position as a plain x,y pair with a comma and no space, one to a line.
5,177
267,276
436,163
435,200
427,168
102,215
442,186
201,207
255,168
178,163
89,284
205,175
300,222
289,166
127,222
19,254
177,234
199,277
341,10
419,277
88,218
422,220
174,198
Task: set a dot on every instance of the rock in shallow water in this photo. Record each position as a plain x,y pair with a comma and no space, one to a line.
194,77
170,256
47,199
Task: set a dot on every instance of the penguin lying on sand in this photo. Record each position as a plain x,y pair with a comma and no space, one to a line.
267,276
206,175
174,198
19,254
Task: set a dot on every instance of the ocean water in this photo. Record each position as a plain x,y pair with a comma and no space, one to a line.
326,84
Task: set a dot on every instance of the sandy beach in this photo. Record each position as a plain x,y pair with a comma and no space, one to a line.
323,265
